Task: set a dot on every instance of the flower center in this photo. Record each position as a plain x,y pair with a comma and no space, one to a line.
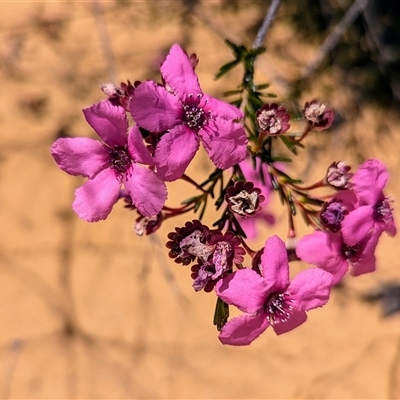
194,245
314,112
244,203
353,253
119,159
383,211
221,258
195,117
278,308
333,215
269,121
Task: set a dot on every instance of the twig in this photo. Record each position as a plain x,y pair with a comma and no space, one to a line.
262,32
11,361
332,40
105,40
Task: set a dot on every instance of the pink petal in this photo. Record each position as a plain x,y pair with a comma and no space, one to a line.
242,330
174,152
146,189
225,142
310,289
357,225
80,156
296,318
249,226
109,122
369,181
178,73
244,289
329,255
367,261
348,198
137,149
221,109
275,266
390,228
155,109
365,266
96,198
307,245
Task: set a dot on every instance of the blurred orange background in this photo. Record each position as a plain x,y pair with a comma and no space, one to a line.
94,311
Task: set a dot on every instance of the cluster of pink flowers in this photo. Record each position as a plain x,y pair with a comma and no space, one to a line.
354,220
176,115
134,161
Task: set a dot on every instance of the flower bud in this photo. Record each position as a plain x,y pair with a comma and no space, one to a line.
338,175
318,115
272,119
244,199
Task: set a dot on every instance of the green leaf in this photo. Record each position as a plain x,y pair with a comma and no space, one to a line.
225,68
221,314
232,92
191,200
262,86
203,209
290,145
237,102
269,95
292,205
282,159
237,50
257,51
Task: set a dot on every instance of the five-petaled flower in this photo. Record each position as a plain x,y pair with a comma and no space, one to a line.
114,161
270,299
337,257
184,115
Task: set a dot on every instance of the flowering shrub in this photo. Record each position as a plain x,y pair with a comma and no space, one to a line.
132,162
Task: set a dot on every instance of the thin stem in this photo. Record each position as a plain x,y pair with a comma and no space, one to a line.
307,130
192,182
262,32
315,185
179,210
291,228
333,38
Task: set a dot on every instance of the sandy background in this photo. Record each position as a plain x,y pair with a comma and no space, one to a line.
92,310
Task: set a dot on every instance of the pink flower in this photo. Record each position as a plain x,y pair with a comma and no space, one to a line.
373,213
244,199
318,115
328,251
188,116
270,299
249,225
110,163
225,251
272,119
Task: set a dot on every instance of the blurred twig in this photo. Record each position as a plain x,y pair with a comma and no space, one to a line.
169,277
105,41
262,32
10,365
332,40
